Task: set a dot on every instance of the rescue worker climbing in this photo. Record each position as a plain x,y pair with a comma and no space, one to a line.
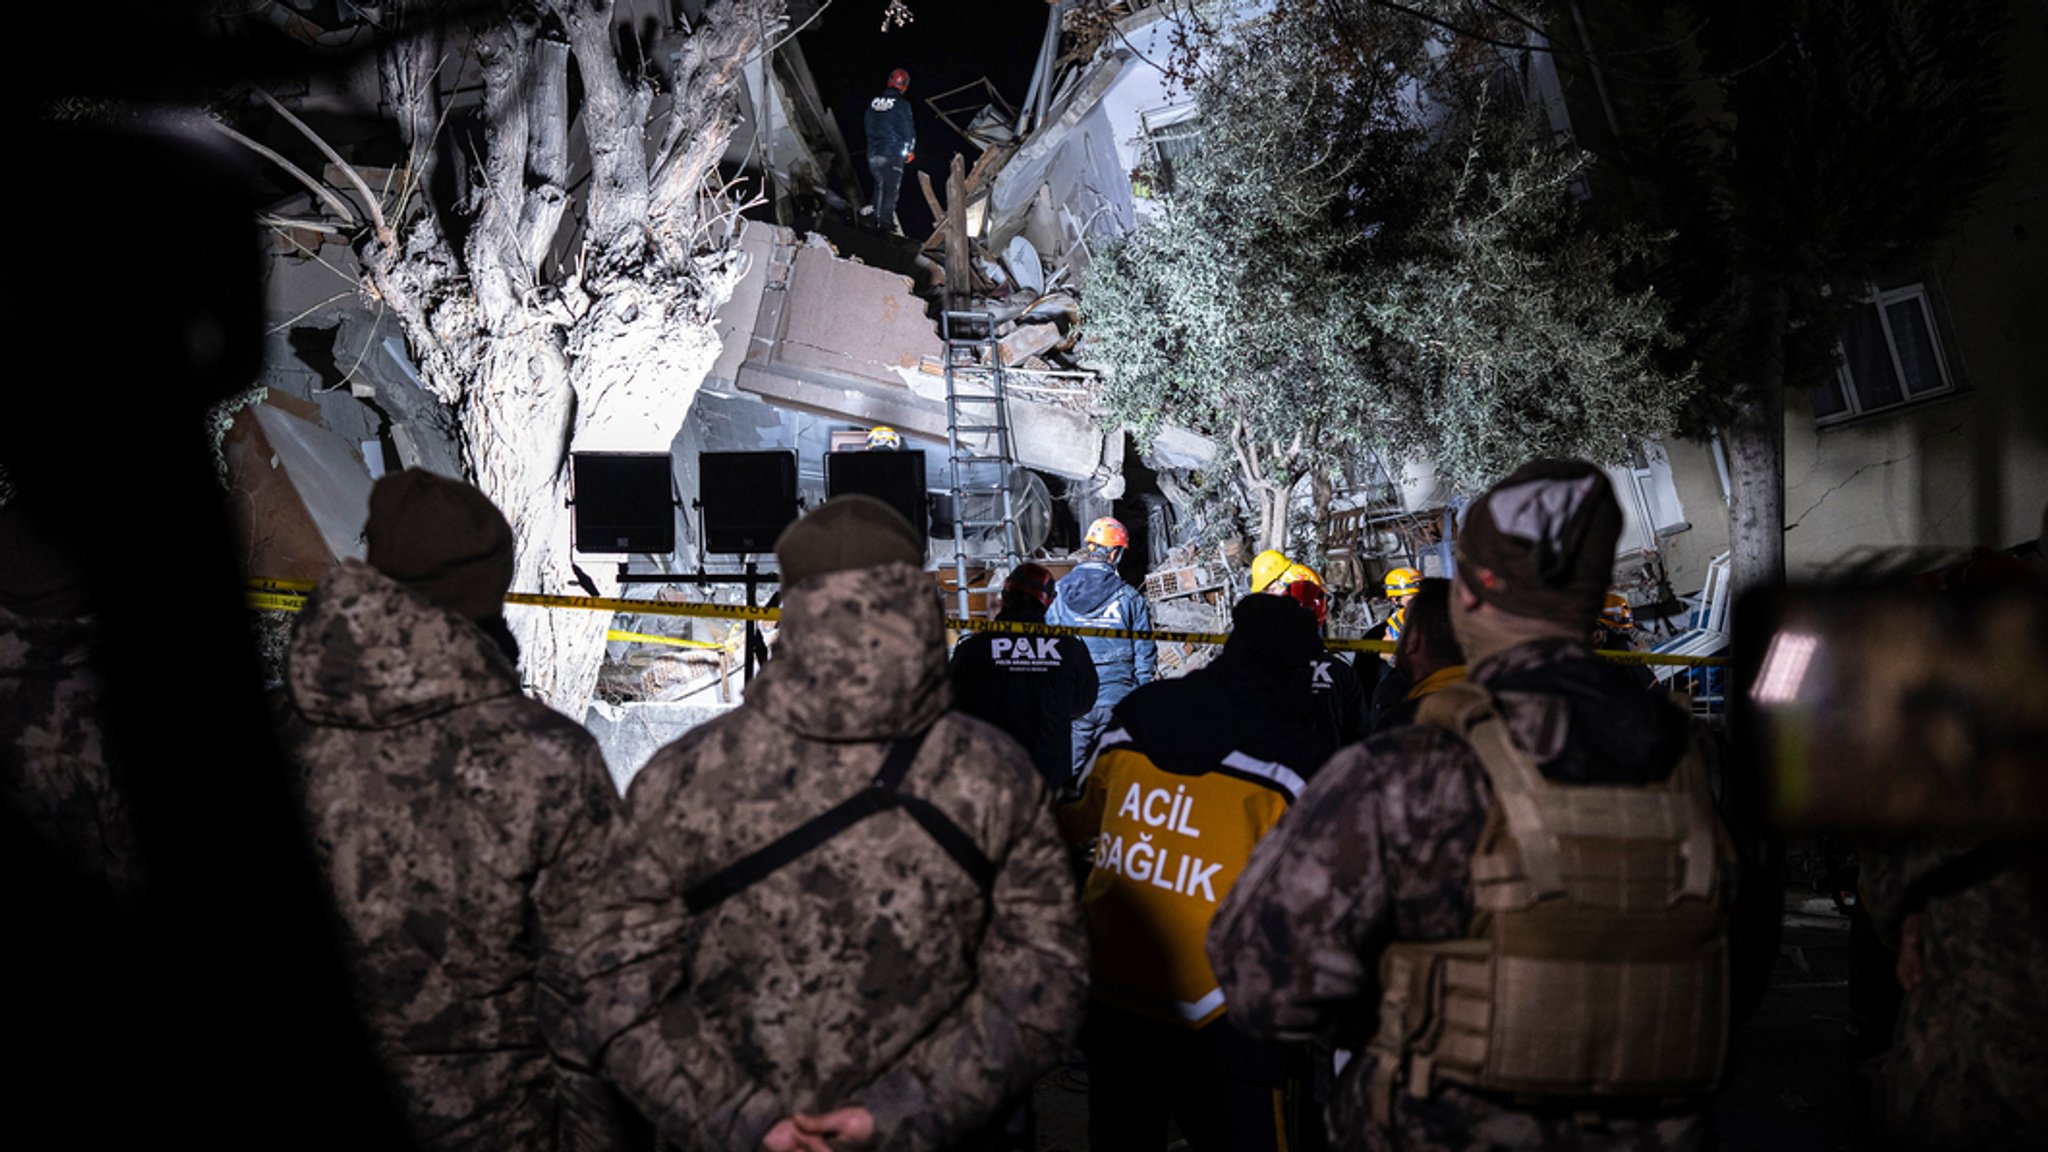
892,144
1190,775
1093,595
1528,889
1033,687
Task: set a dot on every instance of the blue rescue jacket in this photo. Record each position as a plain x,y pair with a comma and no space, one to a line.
1094,596
890,133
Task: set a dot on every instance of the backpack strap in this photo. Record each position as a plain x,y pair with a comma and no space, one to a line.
880,796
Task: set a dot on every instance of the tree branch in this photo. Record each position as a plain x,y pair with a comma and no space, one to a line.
326,194
377,222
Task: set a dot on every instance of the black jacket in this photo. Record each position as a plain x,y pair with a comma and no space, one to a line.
1341,693
888,126
1029,686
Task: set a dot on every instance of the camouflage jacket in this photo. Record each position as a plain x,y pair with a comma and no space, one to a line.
872,969
439,800
53,758
1379,849
1968,1067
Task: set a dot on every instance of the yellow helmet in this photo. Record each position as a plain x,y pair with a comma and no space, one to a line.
1617,613
1266,568
1403,582
884,438
1300,572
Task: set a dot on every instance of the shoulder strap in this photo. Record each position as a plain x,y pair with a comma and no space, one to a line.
1466,711
884,793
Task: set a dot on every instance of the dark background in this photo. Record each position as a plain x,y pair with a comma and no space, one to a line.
950,43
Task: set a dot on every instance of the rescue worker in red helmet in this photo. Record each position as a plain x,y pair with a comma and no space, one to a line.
1033,687
1093,595
892,143
1339,691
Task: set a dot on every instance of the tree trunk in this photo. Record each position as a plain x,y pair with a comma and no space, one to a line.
540,361
1756,442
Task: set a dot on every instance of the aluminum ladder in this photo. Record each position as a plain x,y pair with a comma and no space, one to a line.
977,413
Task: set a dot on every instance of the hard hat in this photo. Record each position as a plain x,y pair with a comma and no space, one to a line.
1403,582
1032,580
1396,623
1617,612
899,80
883,436
1300,572
1109,532
1266,568
1310,595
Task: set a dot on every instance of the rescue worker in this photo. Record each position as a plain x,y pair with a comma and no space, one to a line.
1093,595
1335,683
1394,681
1548,971
1615,631
840,911
445,807
1191,774
1429,658
1033,687
892,144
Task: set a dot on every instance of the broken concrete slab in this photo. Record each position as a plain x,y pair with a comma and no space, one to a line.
300,494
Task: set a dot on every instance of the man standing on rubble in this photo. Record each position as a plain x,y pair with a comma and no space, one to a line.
1093,595
1033,687
446,808
892,144
1526,889
840,911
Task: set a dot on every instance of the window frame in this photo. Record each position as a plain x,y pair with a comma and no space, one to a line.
1881,301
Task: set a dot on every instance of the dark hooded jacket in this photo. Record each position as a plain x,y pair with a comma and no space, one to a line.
872,969
1094,596
440,800
887,123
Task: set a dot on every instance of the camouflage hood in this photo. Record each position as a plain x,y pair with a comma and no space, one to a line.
370,653
861,656
43,645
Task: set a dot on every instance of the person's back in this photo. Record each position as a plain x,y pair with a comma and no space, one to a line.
1379,895
438,798
923,961
1094,595
1189,776
1033,687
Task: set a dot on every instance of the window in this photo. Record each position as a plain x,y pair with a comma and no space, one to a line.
1890,355
1171,136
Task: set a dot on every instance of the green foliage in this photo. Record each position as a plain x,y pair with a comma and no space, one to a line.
1371,253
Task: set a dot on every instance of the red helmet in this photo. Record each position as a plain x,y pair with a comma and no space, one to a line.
1109,532
1032,580
899,80
1310,595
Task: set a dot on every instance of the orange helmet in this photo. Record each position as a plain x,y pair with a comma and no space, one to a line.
1617,613
1109,532
1310,595
1402,582
1300,573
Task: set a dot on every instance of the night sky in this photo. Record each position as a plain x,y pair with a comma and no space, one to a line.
951,42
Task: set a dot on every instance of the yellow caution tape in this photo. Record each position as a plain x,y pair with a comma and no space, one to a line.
673,641
287,595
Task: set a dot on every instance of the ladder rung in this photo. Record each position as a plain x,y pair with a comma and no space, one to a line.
974,397
983,523
977,427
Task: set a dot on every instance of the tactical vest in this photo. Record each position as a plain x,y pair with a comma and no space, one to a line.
1596,967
